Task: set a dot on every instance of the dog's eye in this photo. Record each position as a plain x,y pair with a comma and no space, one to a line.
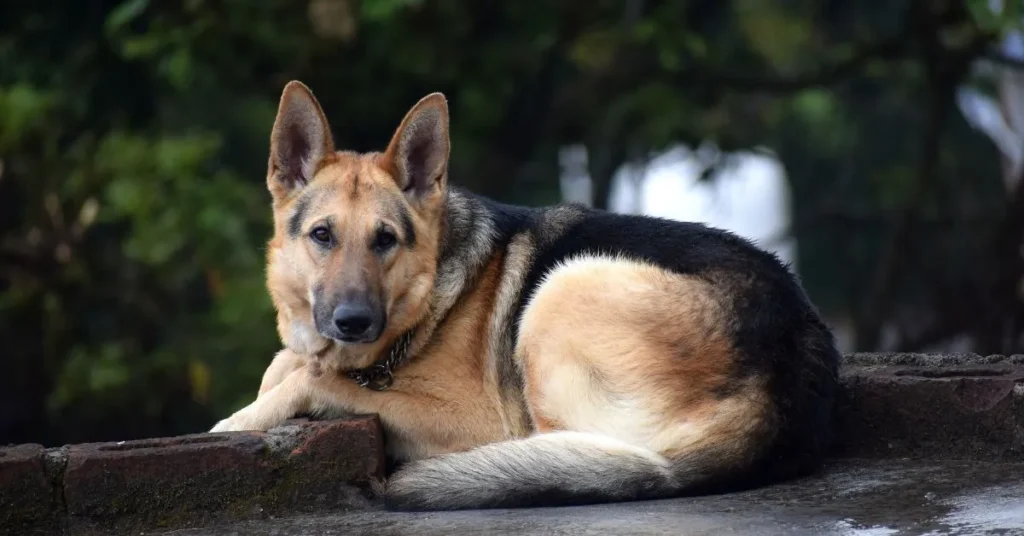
321,235
384,240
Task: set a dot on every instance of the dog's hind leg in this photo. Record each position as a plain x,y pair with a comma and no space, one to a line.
630,379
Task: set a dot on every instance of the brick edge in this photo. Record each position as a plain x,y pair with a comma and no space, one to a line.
192,480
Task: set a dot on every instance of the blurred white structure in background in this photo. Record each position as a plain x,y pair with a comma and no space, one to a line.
750,195
574,178
1000,117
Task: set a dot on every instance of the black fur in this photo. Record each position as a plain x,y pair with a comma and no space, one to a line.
295,220
407,229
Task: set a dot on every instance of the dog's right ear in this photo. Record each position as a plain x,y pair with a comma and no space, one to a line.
300,140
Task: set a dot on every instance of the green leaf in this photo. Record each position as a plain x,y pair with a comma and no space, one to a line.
125,13
381,11
778,36
23,110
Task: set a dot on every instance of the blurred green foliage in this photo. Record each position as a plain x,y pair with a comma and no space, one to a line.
133,138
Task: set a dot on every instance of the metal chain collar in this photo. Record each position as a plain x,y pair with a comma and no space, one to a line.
380,375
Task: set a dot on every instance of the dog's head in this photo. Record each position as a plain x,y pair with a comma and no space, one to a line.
354,253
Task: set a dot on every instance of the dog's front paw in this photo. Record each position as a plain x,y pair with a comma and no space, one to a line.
239,422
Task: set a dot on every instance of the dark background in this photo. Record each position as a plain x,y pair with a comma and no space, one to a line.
134,134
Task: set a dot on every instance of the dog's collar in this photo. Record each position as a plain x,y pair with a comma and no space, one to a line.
380,375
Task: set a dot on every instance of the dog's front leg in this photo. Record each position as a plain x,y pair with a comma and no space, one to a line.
290,387
284,363
290,397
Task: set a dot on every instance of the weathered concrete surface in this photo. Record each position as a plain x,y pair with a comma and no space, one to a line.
329,459
853,498
881,359
959,406
26,495
192,480
174,478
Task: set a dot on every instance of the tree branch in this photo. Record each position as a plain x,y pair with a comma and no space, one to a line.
634,64
823,76
877,304
945,68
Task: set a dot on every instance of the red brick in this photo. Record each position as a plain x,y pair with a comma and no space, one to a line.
165,481
26,495
329,462
196,479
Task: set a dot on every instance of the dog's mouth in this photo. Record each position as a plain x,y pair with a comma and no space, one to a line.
353,340
345,354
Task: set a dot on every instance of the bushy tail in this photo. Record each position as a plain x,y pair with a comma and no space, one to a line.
559,468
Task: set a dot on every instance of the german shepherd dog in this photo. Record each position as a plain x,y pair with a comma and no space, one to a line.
528,356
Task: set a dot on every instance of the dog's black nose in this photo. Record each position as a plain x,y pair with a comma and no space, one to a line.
355,321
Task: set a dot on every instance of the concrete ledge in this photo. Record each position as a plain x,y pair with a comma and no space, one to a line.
958,407
962,406
191,480
26,494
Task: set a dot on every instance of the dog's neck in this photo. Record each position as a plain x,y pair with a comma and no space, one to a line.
467,241
380,375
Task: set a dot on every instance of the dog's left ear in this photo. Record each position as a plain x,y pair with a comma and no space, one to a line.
417,156
299,142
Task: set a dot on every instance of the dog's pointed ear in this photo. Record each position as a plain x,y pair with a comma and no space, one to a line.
300,140
417,156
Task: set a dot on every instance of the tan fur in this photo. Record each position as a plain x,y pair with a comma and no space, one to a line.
608,346
638,355
284,363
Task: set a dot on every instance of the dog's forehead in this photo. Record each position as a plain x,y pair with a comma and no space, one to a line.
347,189
355,171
